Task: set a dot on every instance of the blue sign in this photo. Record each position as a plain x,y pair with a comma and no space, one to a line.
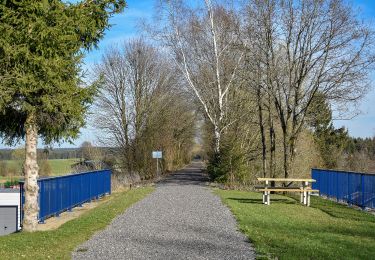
157,154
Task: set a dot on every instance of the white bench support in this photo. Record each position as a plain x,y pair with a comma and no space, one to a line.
266,196
308,199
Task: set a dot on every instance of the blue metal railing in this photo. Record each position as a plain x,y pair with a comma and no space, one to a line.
350,187
58,194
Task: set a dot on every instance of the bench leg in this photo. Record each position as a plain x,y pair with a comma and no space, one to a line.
301,197
265,200
305,198
266,197
308,199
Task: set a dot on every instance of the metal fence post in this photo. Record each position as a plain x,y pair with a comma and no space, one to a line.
363,190
337,187
349,191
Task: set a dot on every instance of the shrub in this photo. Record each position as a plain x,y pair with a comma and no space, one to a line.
3,168
10,183
45,168
216,168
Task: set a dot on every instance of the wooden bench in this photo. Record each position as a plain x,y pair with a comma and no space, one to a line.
304,189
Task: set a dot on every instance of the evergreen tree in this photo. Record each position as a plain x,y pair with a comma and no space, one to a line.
42,43
331,142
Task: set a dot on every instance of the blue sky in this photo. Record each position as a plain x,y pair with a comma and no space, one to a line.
364,124
125,27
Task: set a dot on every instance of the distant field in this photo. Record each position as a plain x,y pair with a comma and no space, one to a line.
62,166
59,167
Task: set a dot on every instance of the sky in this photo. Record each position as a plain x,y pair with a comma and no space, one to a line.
363,125
125,26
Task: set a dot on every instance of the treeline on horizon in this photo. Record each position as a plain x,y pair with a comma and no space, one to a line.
55,153
358,152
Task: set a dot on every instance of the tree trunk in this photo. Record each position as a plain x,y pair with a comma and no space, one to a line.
31,207
217,137
261,126
286,154
272,149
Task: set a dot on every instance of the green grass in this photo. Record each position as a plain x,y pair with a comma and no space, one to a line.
288,230
58,166
58,244
62,167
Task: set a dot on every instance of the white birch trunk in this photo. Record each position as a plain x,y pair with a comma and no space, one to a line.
31,207
217,137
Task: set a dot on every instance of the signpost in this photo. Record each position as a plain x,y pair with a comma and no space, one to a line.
157,155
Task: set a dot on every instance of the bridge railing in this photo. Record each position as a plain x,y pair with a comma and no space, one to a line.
59,194
351,187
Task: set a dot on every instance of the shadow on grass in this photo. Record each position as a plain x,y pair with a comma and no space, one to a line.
259,201
336,210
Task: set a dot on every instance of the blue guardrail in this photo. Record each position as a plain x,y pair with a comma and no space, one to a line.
350,187
59,194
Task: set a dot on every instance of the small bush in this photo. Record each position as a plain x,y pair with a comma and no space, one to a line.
229,166
216,169
11,183
3,168
45,168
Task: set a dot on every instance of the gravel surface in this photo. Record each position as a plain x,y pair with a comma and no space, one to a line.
182,219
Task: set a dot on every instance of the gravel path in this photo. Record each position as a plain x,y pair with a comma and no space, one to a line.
182,219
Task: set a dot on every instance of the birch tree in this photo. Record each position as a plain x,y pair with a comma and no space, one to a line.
202,44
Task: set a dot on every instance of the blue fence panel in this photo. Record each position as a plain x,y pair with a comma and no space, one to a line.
369,190
58,194
350,187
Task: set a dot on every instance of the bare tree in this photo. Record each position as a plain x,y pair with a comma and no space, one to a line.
202,42
131,75
139,108
308,46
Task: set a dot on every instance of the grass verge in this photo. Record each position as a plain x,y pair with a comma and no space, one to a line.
288,230
59,243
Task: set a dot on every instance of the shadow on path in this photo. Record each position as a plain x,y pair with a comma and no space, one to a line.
191,175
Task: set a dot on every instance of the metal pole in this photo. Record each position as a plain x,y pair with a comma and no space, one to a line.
157,167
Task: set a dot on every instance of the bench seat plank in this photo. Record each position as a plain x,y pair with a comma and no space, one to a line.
281,188
286,179
291,190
